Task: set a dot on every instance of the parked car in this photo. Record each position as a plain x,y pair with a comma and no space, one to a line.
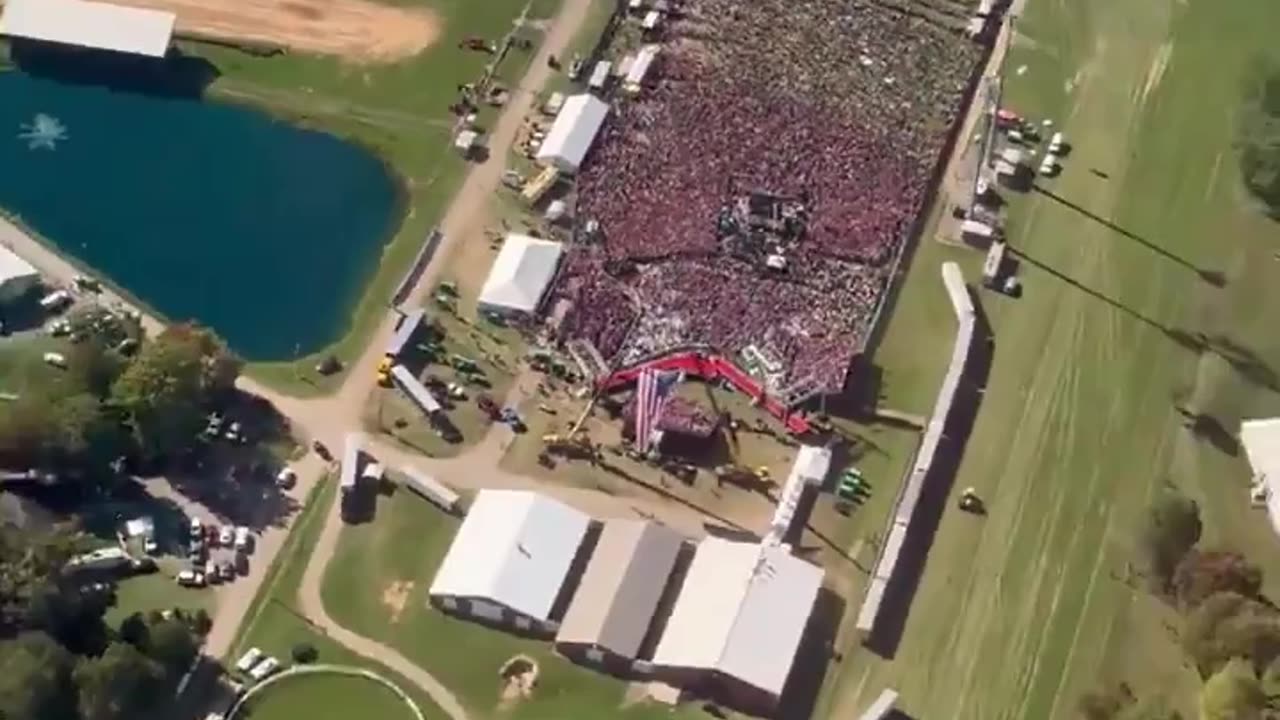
197,527
286,478
243,540
226,535
150,546
143,565
211,572
227,570
190,578
249,659
321,450
264,668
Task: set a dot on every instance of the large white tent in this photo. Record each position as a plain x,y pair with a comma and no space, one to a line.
741,613
100,25
512,553
573,131
17,276
520,275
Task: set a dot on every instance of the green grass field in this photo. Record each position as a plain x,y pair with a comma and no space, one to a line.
275,625
1022,611
398,554
327,697
399,111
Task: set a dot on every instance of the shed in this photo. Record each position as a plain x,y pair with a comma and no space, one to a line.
574,130
615,603
510,559
99,25
520,275
17,276
738,621
639,69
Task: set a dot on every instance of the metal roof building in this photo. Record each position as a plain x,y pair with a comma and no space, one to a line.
614,604
520,275
741,614
99,25
514,551
573,132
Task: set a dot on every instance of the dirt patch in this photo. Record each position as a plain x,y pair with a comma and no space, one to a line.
395,596
358,30
519,676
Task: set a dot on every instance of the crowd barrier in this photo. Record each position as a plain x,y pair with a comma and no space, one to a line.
913,485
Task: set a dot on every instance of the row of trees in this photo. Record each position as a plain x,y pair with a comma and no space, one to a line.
147,407
1229,631
59,660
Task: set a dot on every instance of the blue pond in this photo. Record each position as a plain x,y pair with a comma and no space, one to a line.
262,230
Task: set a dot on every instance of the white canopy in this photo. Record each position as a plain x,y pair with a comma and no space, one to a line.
514,548
90,24
520,274
742,611
573,131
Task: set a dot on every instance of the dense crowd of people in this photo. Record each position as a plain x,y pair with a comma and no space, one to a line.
847,103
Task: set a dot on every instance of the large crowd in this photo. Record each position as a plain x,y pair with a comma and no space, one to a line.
847,103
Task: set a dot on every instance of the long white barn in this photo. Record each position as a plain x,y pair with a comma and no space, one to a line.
99,25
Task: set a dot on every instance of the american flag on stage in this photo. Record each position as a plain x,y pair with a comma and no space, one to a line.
652,390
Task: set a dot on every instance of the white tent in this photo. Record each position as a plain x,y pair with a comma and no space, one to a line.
742,612
17,276
639,70
520,275
809,470
90,24
573,131
514,550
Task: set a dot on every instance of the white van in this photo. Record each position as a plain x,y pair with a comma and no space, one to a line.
243,538
249,659
264,668
57,360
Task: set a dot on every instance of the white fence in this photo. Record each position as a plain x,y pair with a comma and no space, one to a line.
298,670
909,493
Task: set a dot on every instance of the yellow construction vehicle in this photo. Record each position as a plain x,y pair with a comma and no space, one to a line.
384,372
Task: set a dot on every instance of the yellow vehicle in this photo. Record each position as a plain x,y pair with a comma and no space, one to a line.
384,372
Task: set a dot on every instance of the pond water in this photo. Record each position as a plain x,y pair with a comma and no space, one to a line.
262,230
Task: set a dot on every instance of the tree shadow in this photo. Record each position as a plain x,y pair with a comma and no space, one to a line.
1212,277
1204,426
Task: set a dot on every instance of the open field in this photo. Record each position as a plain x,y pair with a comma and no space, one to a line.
1022,611
377,586
327,697
275,625
356,30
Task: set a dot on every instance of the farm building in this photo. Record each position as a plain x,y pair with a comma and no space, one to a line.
736,627
520,275
99,25
615,602
574,130
512,561
17,276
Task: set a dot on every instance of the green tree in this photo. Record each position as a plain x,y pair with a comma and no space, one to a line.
1172,528
135,631
26,432
1258,136
94,367
1233,693
173,645
118,685
1203,573
35,679
164,392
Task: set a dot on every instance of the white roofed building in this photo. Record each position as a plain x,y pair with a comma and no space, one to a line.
1261,441
809,470
738,622
510,560
614,604
520,275
99,25
574,130
17,276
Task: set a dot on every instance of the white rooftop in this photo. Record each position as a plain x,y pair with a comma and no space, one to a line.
514,548
13,267
90,24
742,611
573,131
521,273
1261,440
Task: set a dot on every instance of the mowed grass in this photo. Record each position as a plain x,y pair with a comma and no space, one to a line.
1022,611
398,110
377,585
327,697
275,625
